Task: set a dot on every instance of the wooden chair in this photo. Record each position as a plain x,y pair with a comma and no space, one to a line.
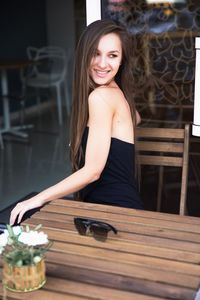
165,147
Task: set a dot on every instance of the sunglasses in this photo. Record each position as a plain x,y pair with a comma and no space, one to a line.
99,230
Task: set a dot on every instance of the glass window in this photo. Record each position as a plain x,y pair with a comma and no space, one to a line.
163,35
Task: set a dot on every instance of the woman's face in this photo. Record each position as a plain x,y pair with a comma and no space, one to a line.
106,61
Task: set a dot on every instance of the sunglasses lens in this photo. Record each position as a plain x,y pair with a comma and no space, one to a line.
80,226
99,232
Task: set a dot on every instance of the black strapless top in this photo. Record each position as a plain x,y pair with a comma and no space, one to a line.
116,185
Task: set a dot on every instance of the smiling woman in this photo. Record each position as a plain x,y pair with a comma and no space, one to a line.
103,124
107,59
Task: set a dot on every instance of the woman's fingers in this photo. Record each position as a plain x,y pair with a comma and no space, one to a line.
17,213
20,216
21,208
13,216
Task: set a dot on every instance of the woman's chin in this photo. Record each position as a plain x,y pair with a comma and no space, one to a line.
102,81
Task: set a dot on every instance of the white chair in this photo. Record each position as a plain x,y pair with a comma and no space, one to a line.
49,69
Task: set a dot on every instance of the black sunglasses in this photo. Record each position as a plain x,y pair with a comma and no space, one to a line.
93,227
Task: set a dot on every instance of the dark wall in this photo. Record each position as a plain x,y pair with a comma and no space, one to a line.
22,24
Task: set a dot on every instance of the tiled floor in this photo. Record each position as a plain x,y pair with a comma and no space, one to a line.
27,166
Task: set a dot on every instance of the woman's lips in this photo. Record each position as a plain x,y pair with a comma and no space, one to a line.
101,74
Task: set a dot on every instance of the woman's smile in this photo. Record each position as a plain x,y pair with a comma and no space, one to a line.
101,73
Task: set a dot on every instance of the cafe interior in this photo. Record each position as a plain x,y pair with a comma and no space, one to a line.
35,113
87,250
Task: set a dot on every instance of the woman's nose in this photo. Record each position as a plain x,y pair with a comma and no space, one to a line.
102,62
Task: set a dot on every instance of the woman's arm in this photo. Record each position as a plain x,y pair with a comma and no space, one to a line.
138,118
97,149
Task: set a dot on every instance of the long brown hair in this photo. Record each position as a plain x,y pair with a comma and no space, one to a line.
83,85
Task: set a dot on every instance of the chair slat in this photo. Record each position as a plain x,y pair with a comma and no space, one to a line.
160,160
160,146
161,132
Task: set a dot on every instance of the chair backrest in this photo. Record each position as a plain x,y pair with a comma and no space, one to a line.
50,60
166,147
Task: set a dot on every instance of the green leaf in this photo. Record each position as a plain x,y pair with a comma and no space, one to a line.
37,227
10,230
27,228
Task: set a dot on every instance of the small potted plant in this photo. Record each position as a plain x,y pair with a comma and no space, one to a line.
23,252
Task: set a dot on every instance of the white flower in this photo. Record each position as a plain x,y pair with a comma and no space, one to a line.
33,238
3,239
37,259
16,230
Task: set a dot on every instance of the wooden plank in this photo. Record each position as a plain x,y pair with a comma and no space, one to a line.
38,294
158,121
62,268
160,146
88,290
160,160
124,219
58,289
124,211
100,264
65,233
69,288
42,294
111,255
144,248
137,234
121,282
125,230
58,269
162,105
170,133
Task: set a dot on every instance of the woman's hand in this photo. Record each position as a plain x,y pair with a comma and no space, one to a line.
22,207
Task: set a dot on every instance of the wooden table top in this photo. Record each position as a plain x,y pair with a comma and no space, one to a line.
153,256
15,63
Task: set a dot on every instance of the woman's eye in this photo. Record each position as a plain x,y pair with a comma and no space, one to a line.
112,55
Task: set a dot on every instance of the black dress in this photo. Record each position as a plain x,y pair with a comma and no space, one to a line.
116,185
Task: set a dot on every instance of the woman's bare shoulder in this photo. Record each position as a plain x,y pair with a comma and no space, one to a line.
105,93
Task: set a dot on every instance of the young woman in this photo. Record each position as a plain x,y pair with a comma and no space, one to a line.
103,124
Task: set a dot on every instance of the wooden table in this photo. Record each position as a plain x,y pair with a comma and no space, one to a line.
153,256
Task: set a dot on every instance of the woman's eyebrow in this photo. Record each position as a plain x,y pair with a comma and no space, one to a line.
114,51
110,52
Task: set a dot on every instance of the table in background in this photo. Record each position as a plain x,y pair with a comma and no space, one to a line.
4,66
153,256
